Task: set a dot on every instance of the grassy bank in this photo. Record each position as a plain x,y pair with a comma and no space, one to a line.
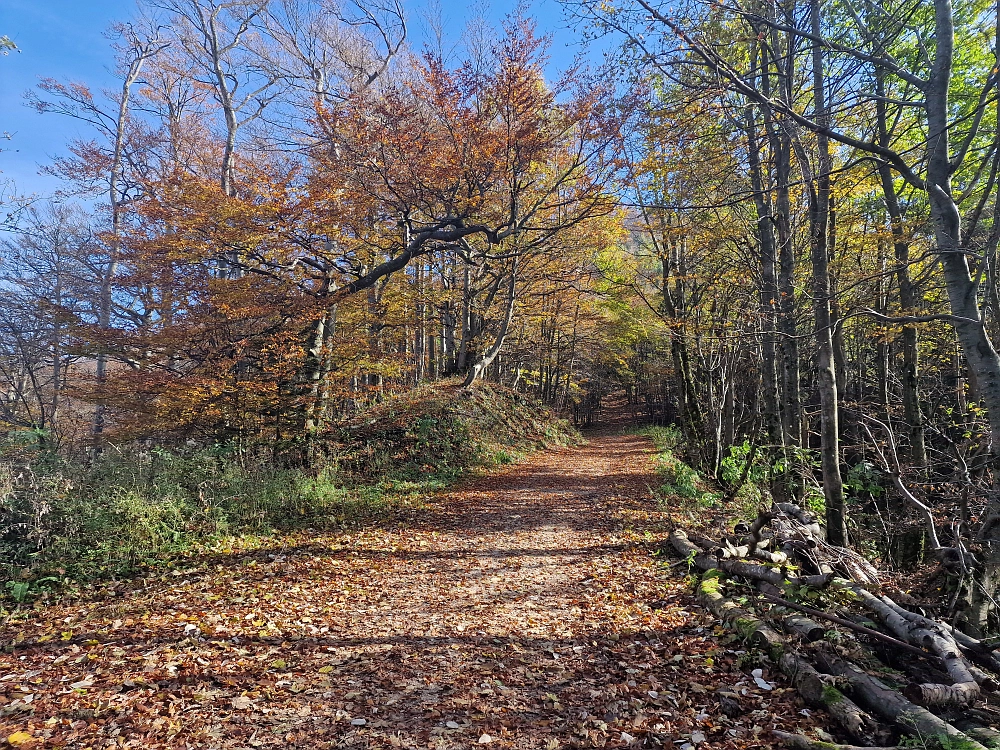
63,521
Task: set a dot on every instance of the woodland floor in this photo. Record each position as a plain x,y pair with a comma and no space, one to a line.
521,609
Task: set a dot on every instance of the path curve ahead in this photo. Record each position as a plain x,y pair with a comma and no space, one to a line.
523,609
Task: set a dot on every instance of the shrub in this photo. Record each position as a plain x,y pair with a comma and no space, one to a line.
679,478
665,438
131,508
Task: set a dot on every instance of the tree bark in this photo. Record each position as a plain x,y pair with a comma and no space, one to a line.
970,328
826,376
907,290
141,50
890,705
477,369
768,287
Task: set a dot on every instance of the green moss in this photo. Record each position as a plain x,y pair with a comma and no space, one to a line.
709,586
776,651
745,626
831,696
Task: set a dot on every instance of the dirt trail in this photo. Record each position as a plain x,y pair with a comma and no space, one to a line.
522,610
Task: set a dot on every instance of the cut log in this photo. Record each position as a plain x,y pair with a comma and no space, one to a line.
982,715
888,616
882,701
969,647
794,523
986,682
753,571
703,542
907,632
691,552
987,735
745,624
731,552
954,663
758,526
850,625
942,696
807,629
921,631
974,650
705,561
766,555
820,581
818,690
808,520
801,742
744,551
810,684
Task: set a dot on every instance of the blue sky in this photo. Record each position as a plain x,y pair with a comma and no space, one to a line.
64,39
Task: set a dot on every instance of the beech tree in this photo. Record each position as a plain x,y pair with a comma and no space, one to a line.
504,166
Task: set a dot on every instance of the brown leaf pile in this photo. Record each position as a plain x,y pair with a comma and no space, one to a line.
523,610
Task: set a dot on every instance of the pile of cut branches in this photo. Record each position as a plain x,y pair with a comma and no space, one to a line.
882,671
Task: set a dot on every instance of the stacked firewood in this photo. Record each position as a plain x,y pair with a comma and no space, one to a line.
819,613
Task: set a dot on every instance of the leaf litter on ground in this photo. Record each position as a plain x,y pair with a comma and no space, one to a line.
521,609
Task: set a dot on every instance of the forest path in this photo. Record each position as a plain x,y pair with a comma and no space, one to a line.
523,609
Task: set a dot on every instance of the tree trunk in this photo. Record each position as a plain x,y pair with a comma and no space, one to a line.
477,369
907,292
819,215
982,359
463,347
142,51
768,287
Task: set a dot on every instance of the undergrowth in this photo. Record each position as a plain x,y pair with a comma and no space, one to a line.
446,430
749,487
64,521
680,481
